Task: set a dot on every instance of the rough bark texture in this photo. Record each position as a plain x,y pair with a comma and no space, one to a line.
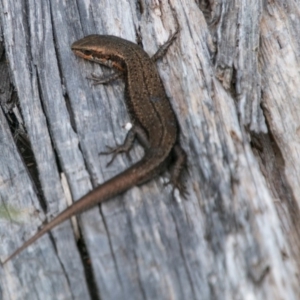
233,79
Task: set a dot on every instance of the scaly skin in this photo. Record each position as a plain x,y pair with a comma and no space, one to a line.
153,119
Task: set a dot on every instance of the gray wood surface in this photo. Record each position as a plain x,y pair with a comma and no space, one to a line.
232,77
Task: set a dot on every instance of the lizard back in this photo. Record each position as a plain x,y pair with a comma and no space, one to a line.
145,96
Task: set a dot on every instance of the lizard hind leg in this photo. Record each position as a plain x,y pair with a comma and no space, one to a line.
176,170
135,132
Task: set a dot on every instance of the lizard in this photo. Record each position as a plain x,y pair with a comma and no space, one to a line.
154,123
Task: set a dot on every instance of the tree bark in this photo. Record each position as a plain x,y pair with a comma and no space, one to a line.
232,77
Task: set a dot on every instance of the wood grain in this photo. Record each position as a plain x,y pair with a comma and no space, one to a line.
233,82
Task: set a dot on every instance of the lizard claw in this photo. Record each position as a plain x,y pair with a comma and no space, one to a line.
104,79
115,151
179,186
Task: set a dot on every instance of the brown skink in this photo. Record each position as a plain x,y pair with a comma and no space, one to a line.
154,123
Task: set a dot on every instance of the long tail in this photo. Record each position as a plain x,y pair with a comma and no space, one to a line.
138,173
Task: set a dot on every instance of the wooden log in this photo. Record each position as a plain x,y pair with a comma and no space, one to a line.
232,80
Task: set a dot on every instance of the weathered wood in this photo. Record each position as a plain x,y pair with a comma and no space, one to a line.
236,237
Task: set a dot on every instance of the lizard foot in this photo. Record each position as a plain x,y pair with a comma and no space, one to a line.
176,184
104,79
115,151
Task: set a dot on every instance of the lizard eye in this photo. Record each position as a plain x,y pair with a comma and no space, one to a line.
88,53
